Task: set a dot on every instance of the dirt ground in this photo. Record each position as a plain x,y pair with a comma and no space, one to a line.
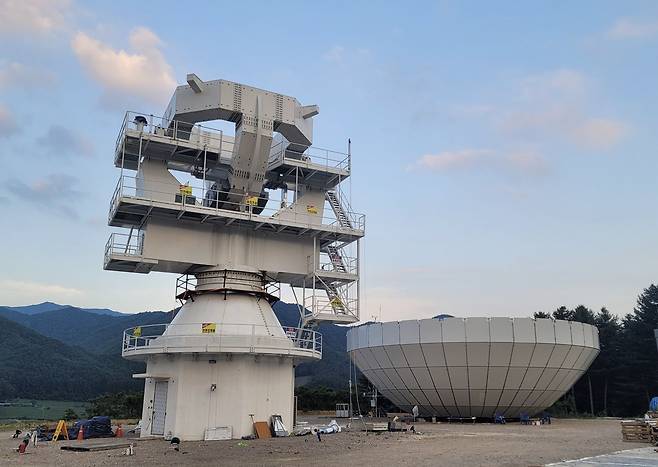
439,444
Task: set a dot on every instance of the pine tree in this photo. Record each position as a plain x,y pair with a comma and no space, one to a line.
563,313
640,355
606,367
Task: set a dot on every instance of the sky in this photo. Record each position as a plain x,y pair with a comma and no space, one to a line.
504,154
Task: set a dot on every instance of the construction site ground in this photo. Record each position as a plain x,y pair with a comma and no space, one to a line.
433,445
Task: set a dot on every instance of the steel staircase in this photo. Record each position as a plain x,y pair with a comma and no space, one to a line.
341,215
336,259
334,299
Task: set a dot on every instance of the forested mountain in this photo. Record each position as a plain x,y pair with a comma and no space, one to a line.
333,370
83,349
38,367
96,333
50,306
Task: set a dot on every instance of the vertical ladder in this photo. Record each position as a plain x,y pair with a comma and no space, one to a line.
336,259
341,216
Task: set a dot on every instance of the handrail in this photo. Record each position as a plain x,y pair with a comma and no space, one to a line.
326,265
125,244
144,337
210,199
201,135
311,155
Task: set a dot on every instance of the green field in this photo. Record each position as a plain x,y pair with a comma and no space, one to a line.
29,409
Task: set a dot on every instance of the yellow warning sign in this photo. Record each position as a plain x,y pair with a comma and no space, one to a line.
336,302
185,189
311,209
252,200
208,328
137,332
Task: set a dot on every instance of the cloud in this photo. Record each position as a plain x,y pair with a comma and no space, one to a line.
62,141
395,302
554,105
33,17
335,54
563,82
55,192
473,110
599,133
339,55
450,160
628,28
529,161
564,123
526,161
15,74
8,125
142,72
21,292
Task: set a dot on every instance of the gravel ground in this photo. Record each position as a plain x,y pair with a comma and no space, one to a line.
434,445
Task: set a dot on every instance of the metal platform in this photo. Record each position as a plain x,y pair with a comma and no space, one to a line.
190,338
124,253
131,208
202,150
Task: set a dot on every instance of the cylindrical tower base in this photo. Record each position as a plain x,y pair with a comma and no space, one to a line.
223,358
216,393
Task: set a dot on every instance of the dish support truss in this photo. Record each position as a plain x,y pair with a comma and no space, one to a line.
311,218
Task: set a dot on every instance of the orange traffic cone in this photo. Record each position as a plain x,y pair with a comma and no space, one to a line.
81,434
119,433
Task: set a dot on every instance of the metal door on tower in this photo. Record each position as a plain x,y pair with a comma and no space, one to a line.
159,407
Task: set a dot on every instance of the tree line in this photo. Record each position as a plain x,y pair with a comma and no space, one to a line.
624,377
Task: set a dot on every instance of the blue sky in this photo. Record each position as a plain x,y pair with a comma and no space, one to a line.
503,154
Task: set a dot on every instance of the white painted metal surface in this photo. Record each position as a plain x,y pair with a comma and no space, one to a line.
474,366
219,433
159,407
294,242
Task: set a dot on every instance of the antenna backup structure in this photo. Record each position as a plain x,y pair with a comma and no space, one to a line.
236,217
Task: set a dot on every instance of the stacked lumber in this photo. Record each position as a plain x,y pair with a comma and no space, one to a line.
636,430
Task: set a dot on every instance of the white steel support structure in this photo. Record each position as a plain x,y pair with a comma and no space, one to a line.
215,209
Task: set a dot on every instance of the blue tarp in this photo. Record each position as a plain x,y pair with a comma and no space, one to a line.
96,427
653,405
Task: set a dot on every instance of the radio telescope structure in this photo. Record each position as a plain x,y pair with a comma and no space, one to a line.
236,217
474,367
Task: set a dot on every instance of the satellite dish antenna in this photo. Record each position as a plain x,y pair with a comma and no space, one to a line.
232,252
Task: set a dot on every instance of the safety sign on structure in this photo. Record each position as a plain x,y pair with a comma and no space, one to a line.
208,328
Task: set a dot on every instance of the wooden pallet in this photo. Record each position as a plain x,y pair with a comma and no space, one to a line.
636,431
375,426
